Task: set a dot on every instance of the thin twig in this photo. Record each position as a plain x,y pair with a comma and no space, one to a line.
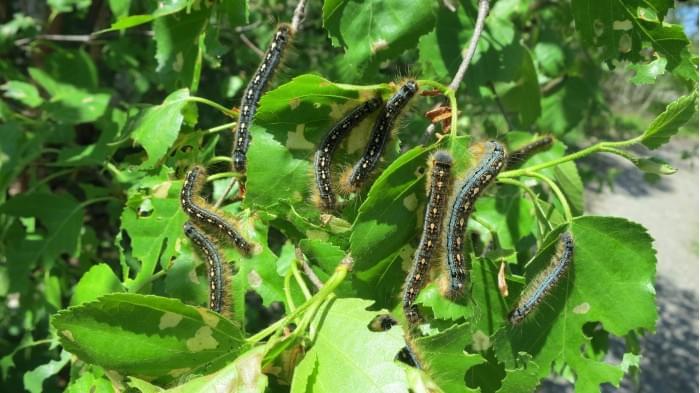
298,17
471,49
307,269
483,10
251,45
226,191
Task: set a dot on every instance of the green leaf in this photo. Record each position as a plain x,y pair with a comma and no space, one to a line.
445,360
565,107
646,74
59,6
99,280
61,219
665,125
17,149
34,379
508,212
375,30
567,177
347,357
92,379
95,153
148,336
655,166
519,380
242,376
613,259
119,8
153,236
291,121
523,97
440,51
165,8
237,11
158,127
70,104
622,31
177,38
388,218
23,92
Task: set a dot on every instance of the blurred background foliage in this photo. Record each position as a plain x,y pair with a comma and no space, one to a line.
72,102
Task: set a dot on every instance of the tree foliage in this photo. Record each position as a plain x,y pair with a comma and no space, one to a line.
106,104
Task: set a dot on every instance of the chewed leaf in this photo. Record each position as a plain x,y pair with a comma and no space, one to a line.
148,336
348,357
613,248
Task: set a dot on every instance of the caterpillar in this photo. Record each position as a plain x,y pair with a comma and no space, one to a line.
252,93
466,195
206,216
440,180
324,154
518,156
380,135
217,273
544,282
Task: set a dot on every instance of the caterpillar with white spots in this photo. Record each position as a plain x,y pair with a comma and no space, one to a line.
518,156
544,282
324,154
217,273
203,214
252,93
440,181
381,132
465,198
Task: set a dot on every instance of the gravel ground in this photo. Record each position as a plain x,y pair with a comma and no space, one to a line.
669,210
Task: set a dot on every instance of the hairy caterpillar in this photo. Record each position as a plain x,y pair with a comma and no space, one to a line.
380,135
252,93
217,272
543,283
466,195
324,154
440,180
518,156
205,215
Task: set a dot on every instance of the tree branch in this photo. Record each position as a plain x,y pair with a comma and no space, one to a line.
298,17
483,10
471,49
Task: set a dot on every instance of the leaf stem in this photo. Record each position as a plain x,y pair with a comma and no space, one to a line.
557,192
213,104
535,199
221,175
222,127
288,291
217,159
300,280
338,276
598,147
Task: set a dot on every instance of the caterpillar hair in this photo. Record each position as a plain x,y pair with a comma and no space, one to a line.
324,154
253,92
466,195
217,272
518,156
203,214
380,134
440,180
544,282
